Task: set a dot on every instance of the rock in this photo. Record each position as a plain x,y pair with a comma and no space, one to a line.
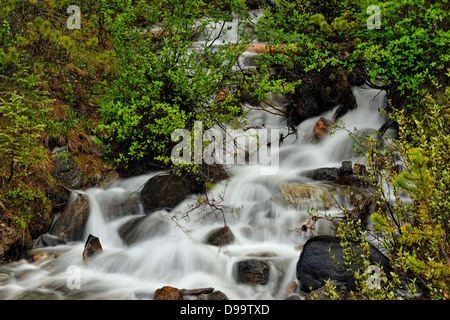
69,226
323,174
318,93
221,236
253,272
48,240
291,288
165,191
360,169
196,291
141,227
123,207
302,194
13,244
92,247
168,293
346,168
66,171
216,295
345,175
315,264
321,293
321,128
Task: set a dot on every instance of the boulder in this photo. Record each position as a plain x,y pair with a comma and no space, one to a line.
322,127
141,227
253,272
216,295
69,226
323,174
92,247
345,175
166,191
315,264
220,236
168,293
66,171
303,194
48,240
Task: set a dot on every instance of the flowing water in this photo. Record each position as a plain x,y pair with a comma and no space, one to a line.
171,247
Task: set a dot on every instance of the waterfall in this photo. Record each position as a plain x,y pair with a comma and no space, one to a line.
170,247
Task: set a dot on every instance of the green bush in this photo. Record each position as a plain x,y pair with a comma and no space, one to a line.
161,83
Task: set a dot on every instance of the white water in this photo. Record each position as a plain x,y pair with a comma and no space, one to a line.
175,253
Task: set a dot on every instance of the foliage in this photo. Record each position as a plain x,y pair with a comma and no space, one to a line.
21,105
163,84
410,186
407,55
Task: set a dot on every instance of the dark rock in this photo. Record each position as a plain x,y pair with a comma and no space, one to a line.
343,175
66,171
70,224
346,168
323,174
315,264
360,170
141,227
123,207
197,291
92,247
216,295
253,272
48,240
221,236
318,94
166,191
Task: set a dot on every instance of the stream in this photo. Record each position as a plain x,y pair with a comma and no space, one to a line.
171,247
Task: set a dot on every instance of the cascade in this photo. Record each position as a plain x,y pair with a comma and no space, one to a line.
169,248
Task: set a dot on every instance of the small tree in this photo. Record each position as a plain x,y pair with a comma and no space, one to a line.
21,106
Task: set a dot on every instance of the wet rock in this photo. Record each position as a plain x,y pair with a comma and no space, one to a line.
165,191
302,194
66,171
3,277
360,170
124,207
345,175
48,240
323,174
309,99
253,272
291,288
141,227
346,168
70,224
92,247
221,236
322,127
168,293
315,264
216,295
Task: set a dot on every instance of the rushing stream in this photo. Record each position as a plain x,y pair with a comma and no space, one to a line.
171,247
